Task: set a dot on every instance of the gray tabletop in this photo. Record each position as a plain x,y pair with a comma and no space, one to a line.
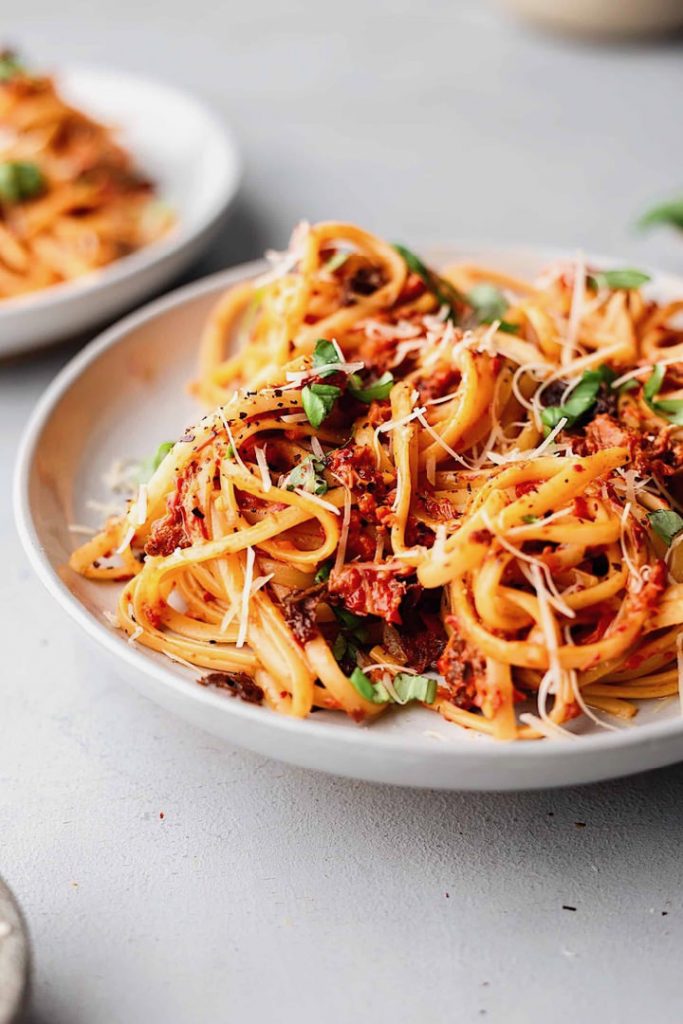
167,877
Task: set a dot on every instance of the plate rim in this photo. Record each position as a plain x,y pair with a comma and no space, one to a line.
154,252
600,743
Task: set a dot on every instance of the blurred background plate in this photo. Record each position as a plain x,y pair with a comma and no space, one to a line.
120,398
194,161
14,958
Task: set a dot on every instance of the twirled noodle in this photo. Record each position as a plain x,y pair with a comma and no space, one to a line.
458,489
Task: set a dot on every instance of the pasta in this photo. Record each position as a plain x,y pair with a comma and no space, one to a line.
71,200
453,488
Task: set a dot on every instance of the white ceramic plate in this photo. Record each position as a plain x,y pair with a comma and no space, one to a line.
192,158
122,396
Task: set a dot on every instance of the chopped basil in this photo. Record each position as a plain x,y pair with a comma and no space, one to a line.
19,180
443,291
335,262
530,519
323,573
352,624
363,685
580,401
347,618
324,353
230,451
666,523
405,686
148,467
380,389
307,476
10,66
666,213
488,302
670,409
628,385
161,453
507,328
317,400
340,647
618,279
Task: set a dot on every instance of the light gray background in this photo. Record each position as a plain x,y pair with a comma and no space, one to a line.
268,893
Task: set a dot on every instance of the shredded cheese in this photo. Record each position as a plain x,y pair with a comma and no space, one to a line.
317,500
246,594
262,462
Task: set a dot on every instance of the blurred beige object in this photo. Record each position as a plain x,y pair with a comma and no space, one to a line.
602,17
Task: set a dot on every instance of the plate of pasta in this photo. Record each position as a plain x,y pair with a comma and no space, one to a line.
109,186
412,518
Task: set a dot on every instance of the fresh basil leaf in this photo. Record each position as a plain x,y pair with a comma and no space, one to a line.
317,400
10,66
161,453
530,519
653,383
580,401
507,328
373,392
324,353
20,180
339,647
148,467
347,618
409,687
352,624
488,302
443,291
666,523
406,687
230,452
363,685
323,573
335,262
670,409
626,279
628,385
307,476
665,213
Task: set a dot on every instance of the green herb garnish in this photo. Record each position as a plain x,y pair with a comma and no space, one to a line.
10,66
443,291
670,409
307,476
324,356
626,279
148,467
352,624
323,573
335,262
405,686
665,213
20,180
489,304
373,392
666,523
530,519
581,400
317,400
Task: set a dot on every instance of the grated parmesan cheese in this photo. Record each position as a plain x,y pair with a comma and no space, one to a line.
262,461
246,594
